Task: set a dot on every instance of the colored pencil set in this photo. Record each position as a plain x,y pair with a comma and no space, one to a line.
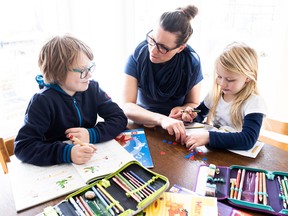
124,190
249,186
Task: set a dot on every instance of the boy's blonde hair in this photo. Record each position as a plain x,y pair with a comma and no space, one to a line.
58,54
241,59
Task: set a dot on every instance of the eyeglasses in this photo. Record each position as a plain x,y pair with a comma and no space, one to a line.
84,72
160,47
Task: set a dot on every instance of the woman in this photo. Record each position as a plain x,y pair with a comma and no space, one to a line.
163,75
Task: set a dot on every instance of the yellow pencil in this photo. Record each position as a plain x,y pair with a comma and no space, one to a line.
110,197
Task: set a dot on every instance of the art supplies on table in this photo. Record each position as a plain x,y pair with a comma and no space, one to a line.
246,187
32,185
125,192
198,128
135,142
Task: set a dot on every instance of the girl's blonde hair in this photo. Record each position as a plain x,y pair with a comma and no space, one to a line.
58,54
241,59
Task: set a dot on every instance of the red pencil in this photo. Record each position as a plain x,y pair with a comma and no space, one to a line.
237,184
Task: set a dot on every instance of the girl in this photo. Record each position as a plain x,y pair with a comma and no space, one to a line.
234,101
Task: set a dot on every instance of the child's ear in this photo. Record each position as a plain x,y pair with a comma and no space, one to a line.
247,79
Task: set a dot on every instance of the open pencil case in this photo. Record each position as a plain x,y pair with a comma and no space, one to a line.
222,182
125,192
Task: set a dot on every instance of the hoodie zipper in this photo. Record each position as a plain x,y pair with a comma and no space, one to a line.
78,111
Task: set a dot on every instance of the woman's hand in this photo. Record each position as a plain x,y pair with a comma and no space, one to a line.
174,127
188,114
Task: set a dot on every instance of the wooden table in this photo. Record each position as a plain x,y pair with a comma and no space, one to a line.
172,164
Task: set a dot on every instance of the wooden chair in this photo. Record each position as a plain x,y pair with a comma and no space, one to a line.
275,133
6,150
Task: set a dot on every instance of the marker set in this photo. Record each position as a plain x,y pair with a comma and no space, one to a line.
125,192
246,187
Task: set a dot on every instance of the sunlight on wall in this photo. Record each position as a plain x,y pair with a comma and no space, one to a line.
113,28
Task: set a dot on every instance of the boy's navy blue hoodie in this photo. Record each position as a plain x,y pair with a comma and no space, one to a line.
52,111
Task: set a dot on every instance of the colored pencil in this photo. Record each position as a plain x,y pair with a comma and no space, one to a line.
237,184
264,189
256,188
110,197
241,184
77,208
116,180
260,188
103,201
76,141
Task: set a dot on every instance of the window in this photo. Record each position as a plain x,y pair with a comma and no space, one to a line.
114,27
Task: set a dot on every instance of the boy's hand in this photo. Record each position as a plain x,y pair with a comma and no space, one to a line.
82,154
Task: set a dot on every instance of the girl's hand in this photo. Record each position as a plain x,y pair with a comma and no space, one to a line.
192,141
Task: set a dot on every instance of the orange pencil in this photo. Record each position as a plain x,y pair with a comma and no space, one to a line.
237,184
260,196
77,141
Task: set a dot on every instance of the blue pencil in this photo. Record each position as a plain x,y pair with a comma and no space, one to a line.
103,201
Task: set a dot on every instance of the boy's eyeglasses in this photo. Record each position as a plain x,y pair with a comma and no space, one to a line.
84,72
160,47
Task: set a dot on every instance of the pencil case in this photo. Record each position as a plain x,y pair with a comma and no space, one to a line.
125,192
256,189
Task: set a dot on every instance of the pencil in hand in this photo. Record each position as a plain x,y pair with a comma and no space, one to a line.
76,141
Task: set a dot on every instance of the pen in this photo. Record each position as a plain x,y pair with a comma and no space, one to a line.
194,110
75,141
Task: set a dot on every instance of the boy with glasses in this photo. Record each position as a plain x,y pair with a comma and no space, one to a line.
67,106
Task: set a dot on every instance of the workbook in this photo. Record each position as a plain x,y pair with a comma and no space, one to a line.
32,185
198,128
182,204
135,142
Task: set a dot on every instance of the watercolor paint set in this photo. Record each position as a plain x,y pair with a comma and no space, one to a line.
246,187
125,192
